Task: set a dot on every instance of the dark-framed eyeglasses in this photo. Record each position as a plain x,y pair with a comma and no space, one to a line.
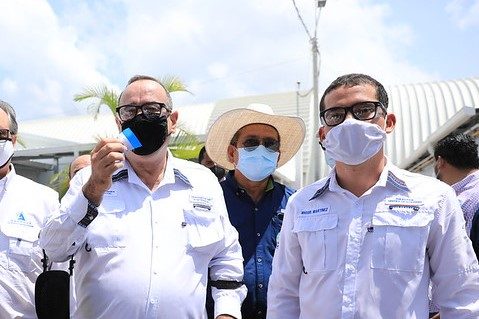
5,134
362,111
127,112
271,144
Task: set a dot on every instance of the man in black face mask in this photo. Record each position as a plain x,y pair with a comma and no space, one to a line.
146,226
205,160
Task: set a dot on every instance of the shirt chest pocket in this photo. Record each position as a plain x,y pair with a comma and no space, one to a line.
318,238
399,242
108,229
203,229
22,248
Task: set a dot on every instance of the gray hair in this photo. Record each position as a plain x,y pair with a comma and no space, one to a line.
7,108
169,101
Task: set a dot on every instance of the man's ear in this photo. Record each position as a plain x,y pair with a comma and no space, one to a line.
232,154
173,119
14,140
440,162
390,122
118,123
321,135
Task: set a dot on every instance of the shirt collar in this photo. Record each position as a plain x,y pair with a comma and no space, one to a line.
231,182
171,174
389,176
459,186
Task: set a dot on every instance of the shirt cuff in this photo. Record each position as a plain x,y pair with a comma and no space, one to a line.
91,213
228,302
82,211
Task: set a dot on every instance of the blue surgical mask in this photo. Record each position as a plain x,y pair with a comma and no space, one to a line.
257,164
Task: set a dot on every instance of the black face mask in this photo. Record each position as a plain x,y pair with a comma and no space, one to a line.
218,171
151,131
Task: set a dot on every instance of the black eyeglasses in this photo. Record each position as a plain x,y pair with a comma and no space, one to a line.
127,112
5,134
362,111
271,144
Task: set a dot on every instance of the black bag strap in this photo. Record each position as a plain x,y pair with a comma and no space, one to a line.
46,267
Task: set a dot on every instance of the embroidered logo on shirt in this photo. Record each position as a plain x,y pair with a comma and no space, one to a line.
321,210
21,219
110,192
404,204
201,202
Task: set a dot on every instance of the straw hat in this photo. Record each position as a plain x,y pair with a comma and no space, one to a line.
291,131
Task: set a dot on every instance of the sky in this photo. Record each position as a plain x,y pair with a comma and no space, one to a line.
51,50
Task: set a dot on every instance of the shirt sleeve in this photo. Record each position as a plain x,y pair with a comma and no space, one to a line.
454,267
283,289
227,265
62,235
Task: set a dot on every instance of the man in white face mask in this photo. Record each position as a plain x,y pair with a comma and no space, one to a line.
252,142
365,241
24,206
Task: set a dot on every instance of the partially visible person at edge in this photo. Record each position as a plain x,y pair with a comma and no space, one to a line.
457,164
252,142
205,160
145,226
365,241
78,163
24,207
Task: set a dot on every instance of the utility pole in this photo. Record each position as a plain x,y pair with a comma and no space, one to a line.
313,168
313,174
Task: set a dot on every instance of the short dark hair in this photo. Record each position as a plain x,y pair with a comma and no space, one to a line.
7,108
169,101
459,150
354,79
201,155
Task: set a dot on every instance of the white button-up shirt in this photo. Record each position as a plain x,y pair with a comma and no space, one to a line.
467,191
341,256
24,207
147,253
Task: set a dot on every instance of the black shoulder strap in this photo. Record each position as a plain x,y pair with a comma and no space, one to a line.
47,267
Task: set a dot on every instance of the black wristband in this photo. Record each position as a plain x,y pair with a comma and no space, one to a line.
91,213
226,284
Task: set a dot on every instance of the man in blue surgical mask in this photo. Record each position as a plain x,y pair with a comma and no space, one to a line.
252,142
364,241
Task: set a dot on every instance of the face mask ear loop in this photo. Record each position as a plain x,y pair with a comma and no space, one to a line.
45,262
7,162
321,144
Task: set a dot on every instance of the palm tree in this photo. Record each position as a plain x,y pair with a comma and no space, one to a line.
184,145
103,95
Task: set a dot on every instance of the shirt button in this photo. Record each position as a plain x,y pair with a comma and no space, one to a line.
259,312
259,259
258,234
256,209
260,286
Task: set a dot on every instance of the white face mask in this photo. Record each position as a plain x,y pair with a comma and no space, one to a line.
6,151
353,142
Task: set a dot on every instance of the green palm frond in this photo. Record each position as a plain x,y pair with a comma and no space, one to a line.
173,83
184,145
101,95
